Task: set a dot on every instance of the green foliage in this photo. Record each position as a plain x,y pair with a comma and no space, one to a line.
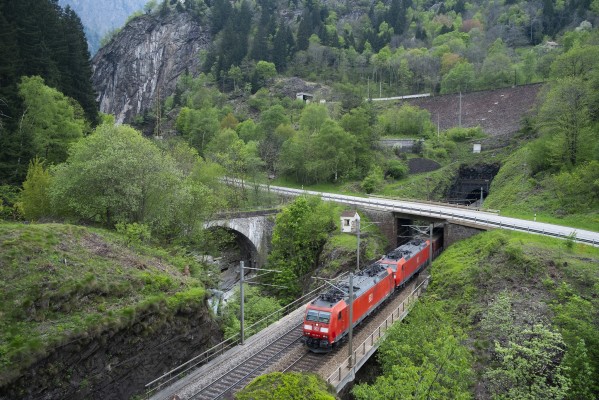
396,169
463,134
373,181
530,368
134,233
422,358
301,229
115,175
51,119
10,206
459,79
35,199
579,370
565,116
257,306
287,386
408,121
198,126
577,62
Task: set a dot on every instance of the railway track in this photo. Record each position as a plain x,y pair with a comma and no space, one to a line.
224,386
309,362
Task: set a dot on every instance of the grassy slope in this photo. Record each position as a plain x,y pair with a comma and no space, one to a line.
61,282
517,195
546,282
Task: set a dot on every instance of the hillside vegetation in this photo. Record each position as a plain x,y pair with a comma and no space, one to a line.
64,283
507,315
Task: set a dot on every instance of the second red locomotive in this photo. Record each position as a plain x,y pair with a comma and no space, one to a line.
326,321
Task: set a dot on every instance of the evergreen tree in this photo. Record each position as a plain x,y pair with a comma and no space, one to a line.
280,51
221,11
304,31
76,68
38,38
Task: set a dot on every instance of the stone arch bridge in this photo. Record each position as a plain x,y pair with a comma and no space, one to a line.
252,231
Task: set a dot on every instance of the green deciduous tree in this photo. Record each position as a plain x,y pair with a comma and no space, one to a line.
565,115
34,196
116,175
312,118
53,120
577,62
422,358
408,121
286,386
334,152
531,367
373,181
257,306
301,230
460,78
198,126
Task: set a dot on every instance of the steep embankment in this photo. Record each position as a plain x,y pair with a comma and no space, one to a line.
144,60
507,315
82,315
566,198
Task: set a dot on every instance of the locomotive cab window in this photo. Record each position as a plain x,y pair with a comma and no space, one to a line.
339,316
312,315
324,317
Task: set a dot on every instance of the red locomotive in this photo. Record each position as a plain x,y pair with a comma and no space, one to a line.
327,317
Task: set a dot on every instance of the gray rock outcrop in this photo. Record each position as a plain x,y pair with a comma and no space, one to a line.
144,61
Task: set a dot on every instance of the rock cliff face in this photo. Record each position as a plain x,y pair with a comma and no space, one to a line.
114,14
144,61
117,365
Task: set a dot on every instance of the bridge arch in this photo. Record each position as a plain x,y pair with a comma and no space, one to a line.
252,232
248,250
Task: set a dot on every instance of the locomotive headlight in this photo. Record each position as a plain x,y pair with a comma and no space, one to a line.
324,330
308,327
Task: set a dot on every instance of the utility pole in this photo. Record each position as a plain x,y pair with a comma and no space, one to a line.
241,273
380,88
351,319
481,196
358,251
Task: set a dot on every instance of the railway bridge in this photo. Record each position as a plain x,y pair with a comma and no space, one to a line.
228,367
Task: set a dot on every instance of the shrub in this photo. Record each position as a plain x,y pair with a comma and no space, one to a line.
464,134
373,181
286,386
396,169
134,233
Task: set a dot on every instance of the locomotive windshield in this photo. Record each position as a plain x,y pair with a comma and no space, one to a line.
318,316
324,317
312,315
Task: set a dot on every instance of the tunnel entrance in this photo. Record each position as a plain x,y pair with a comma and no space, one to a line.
472,184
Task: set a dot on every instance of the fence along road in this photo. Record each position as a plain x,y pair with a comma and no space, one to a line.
452,214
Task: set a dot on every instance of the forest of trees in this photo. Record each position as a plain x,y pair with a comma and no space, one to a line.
403,46
39,38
